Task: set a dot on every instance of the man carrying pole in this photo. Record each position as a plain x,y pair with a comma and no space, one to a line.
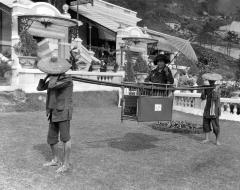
212,110
59,88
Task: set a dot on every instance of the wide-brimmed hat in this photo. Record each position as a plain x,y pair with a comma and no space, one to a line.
212,76
53,65
161,57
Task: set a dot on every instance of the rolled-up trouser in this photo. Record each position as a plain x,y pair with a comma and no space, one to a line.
207,122
53,132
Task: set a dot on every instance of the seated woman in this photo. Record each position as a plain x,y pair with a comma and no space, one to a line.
162,74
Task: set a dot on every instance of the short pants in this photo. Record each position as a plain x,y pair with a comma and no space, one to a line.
208,122
53,132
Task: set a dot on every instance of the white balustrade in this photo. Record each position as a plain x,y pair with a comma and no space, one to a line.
28,80
191,103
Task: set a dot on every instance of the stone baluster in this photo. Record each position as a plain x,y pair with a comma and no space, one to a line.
235,109
182,102
228,108
193,102
180,99
187,102
222,108
176,99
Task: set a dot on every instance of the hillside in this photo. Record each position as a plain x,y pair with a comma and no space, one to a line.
218,62
193,15
189,13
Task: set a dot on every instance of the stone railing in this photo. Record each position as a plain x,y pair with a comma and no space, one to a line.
28,79
191,103
100,76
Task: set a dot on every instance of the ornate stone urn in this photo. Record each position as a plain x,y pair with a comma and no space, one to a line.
26,49
27,62
96,67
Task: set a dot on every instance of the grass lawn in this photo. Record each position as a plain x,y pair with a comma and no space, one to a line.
108,155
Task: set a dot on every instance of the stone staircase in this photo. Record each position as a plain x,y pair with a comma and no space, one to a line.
48,46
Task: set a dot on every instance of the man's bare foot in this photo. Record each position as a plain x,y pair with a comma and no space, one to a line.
218,143
63,169
205,141
52,163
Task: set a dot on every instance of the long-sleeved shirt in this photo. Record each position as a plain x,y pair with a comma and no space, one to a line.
59,97
212,96
164,76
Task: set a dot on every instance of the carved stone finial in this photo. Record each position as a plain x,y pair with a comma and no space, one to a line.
65,9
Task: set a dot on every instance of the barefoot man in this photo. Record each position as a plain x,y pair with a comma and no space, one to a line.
59,88
212,109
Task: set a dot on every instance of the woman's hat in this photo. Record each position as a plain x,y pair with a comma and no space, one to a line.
53,65
161,57
212,76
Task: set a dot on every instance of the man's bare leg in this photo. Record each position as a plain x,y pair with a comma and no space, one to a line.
206,138
217,140
54,161
66,156
54,148
66,152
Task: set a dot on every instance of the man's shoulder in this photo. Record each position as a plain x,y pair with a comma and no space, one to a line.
65,77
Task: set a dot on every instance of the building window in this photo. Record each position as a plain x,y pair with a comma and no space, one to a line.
5,45
5,29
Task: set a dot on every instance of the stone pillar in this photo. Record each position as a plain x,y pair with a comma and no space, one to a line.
90,37
120,46
15,60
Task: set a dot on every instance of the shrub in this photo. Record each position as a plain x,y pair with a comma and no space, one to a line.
111,63
27,46
185,81
140,65
227,89
95,62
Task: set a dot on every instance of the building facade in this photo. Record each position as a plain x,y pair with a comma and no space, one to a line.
95,29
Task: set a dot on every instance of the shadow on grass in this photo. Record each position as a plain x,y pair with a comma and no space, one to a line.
133,142
45,150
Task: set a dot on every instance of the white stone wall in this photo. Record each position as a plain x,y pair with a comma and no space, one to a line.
28,80
191,103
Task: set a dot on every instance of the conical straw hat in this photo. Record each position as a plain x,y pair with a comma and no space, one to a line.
212,76
53,65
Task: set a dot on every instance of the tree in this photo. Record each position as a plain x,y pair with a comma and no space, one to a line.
237,74
207,33
207,62
236,14
231,37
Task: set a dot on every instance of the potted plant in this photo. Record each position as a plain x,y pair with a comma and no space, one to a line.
111,65
185,81
5,69
26,49
82,65
96,65
140,69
